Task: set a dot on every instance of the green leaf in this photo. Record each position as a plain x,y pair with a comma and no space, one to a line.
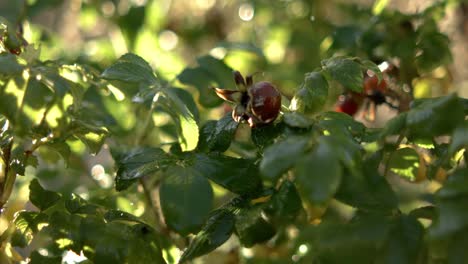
452,204
93,141
27,225
355,242
264,136
459,139
434,51
77,205
251,227
285,204
9,65
121,243
186,124
280,157
130,68
318,173
117,215
295,119
54,81
404,243
37,94
217,229
395,126
366,189
209,72
435,116
405,162
186,199
346,71
187,99
369,65
137,163
217,135
312,95
201,80
41,198
340,123
239,176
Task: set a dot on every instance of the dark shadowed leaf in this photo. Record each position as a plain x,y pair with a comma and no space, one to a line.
139,162
395,126
367,189
41,198
285,204
435,116
239,176
217,229
297,120
217,135
404,242
264,136
251,227
318,173
459,139
186,199
9,65
452,204
280,157
354,242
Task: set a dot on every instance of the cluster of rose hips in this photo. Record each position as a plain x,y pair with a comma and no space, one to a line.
375,93
255,103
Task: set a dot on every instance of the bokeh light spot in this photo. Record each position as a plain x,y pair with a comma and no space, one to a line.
246,12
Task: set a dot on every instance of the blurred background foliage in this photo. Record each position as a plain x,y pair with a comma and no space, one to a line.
192,44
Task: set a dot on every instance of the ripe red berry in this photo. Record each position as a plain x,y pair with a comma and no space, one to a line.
265,101
371,84
346,104
258,103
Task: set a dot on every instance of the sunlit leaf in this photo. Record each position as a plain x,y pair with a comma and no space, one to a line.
405,162
27,225
346,71
130,68
312,95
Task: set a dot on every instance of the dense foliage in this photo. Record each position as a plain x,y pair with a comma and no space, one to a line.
174,177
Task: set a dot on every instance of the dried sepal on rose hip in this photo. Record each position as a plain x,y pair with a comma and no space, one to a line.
255,103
